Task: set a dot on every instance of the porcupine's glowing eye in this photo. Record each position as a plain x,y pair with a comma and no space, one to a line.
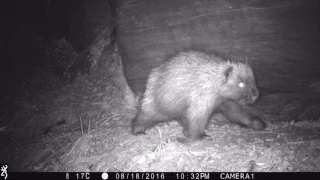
241,85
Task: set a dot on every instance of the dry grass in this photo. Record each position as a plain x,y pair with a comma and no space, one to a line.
87,128
233,149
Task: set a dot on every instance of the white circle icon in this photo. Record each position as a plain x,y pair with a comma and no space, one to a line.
104,175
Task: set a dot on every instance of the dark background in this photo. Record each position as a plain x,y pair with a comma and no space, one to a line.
278,38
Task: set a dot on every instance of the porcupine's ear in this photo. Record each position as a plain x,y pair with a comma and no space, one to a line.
227,72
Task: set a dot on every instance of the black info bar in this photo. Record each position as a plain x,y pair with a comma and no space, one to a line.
156,175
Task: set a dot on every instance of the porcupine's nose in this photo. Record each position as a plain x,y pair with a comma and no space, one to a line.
254,94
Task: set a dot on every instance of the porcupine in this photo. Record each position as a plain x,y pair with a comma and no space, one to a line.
243,115
189,87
